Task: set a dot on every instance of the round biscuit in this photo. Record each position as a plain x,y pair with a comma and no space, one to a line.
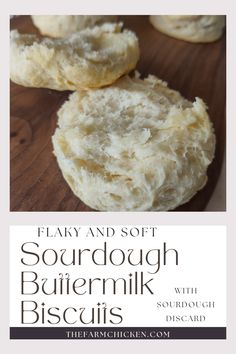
191,28
59,26
87,59
134,146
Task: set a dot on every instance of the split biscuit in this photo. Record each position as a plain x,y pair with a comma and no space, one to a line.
134,146
59,26
191,28
91,58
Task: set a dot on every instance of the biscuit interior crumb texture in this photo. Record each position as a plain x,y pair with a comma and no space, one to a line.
134,146
191,28
91,58
60,26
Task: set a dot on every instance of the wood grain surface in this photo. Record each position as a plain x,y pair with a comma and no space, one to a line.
193,69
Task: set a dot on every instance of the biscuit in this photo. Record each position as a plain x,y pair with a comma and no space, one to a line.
91,58
191,28
63,26
134,146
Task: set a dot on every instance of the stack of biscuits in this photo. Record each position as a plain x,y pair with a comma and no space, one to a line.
123,143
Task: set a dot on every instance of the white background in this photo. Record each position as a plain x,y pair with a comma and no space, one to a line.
201,264
228,218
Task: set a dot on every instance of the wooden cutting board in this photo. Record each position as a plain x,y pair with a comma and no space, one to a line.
193,69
